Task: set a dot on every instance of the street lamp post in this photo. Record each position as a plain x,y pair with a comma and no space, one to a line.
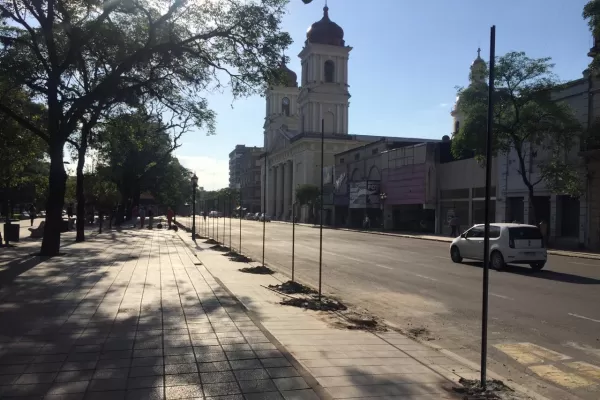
194,186
293,238
382,199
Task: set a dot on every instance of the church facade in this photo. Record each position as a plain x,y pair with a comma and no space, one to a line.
297,116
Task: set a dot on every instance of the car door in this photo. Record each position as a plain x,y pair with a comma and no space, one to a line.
474,242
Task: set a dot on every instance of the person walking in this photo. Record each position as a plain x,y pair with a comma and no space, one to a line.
366,223
70,211
455,226
170,215
150,218
134,215
32,211
142,213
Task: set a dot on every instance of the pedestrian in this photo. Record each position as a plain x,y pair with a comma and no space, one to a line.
150,217
142,213
366,222
454,226
204,215
544,229
134,215
70,211
170,215
32,211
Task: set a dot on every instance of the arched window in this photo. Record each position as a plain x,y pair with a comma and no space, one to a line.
285,106
329,71
456,127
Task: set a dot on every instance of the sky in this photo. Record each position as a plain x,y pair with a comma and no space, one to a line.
408,58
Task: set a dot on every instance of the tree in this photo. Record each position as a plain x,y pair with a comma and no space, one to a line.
591,13
78,56
308,195
526,120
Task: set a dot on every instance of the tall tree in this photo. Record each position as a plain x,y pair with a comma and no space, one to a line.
591,13
308,195
527,120
79,55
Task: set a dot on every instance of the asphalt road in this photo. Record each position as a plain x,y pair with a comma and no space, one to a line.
413,284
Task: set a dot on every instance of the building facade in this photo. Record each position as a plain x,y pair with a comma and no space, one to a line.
245,174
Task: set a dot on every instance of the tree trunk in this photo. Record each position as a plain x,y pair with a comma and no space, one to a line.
55,202
80,194
533,217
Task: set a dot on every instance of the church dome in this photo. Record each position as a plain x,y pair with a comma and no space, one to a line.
289,76
325,31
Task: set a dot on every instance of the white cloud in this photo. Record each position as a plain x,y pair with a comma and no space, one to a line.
212,173
443,105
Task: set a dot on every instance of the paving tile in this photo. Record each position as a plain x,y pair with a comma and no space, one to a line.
251,374
217,377
220,389
32,379
294,383
110,373
73,376
214,366
105,385
46,367
240,355
68,387
183,392
263,385
178,351
182,379
182,359
275,362
12,369
212,356
282,372
263,396
305,394
70,396
245,364
147,362
145,382
8,379
228,397
112,395
181,369
156,393
26,390
145,371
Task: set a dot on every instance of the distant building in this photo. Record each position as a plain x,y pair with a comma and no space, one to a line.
244,170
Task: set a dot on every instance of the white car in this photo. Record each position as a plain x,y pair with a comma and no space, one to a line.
509,244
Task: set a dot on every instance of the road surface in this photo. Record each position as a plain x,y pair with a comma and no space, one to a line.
544,328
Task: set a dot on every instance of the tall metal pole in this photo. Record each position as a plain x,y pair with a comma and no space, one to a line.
241,212
264,202
293,238
230,218
224,236
194,211
488,179
321,211
217,212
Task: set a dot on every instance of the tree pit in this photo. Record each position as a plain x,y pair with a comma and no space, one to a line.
313,303
472,390
220,248
291,287
211,241
259,270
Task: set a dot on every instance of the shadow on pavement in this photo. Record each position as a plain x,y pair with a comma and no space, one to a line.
543,274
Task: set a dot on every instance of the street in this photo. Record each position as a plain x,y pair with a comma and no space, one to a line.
547,323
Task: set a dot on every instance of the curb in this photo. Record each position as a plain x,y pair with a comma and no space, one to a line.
440,240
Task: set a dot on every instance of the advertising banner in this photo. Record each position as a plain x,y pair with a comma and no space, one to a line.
364,194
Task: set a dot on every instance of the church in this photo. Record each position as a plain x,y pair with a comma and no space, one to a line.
297,116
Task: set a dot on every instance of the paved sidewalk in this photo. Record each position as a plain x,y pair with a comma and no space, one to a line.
446,239
346,363
131,315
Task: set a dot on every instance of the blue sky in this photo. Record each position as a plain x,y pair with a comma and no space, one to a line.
408,56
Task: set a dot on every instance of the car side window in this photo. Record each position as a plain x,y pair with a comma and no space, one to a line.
475,232
494,232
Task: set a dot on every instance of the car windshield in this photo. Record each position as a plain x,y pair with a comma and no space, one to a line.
525,233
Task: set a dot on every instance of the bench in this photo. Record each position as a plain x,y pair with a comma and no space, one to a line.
39,231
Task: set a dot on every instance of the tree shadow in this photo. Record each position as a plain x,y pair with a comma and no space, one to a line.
97,325
543,274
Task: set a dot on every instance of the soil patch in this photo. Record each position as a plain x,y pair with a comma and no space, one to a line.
472,390
420,333
211,241
240,258
291,287
220,248
260,270
313,303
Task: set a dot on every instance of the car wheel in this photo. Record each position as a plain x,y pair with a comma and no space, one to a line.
537,266
497,261
455,254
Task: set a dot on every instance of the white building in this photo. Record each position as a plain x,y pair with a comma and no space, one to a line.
296,117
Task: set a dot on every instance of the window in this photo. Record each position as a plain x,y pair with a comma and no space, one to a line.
374,151
456,126
357,156
476,232
329,71
494,232
285,106
341,160
524,233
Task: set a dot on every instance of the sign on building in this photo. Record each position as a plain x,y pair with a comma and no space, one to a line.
364,194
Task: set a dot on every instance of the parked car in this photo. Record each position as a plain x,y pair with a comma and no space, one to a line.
249,216
213,214
257,216
509,244
264,217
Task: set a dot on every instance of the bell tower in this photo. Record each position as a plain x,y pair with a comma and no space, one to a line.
324,98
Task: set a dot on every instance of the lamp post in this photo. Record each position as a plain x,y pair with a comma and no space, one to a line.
194,186
293,238
382,199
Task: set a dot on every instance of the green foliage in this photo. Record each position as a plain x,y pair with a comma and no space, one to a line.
526,118
307,194
591,13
